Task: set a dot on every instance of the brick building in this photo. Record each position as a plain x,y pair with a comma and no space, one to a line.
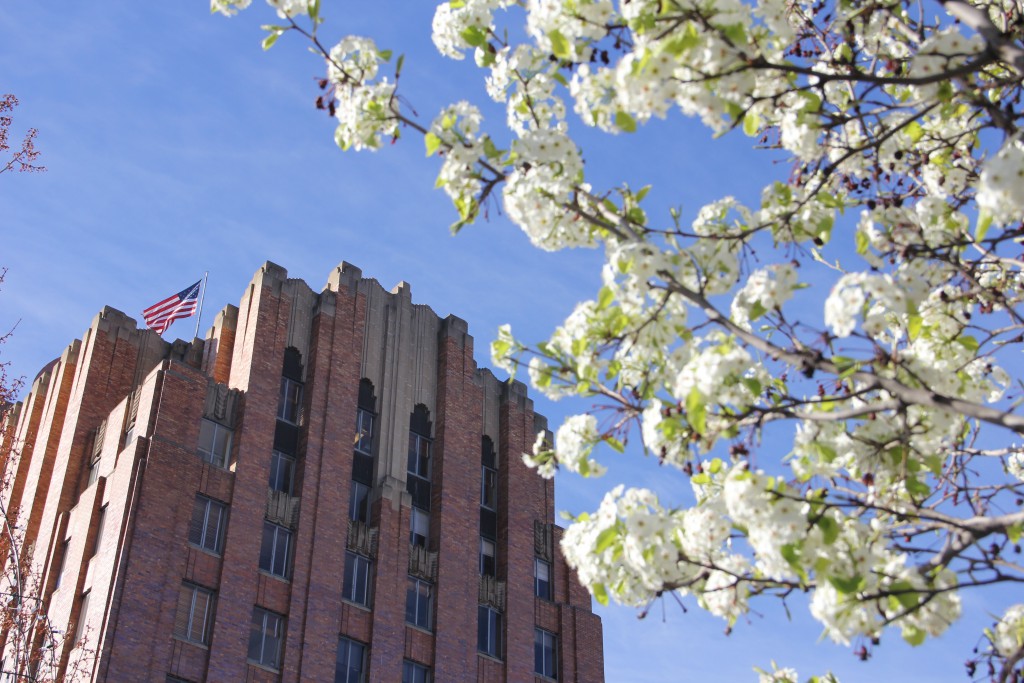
325,488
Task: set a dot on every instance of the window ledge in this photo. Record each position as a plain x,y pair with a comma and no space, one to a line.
357,605
490,657
282,579
202,646
421,629
265,667
205,551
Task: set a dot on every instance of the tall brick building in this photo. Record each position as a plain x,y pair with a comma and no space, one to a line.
325,488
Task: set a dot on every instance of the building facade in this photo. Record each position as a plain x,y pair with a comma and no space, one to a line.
325,488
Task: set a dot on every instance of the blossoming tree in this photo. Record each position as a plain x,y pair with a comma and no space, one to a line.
904,202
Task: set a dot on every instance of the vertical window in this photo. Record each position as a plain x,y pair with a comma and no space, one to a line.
275,553
545,653
488,565
290,401
265,637
419,598
356,587
419,455
489,488
364,431
351,662
64,547
419,532
282,472
541,578
101,524
415,673
83,614
214,443
488,631
194,619
359,503
418,462
206,529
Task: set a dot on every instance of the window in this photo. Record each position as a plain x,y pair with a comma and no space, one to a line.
207,527
63,561
488,631
419,531
83,613
265,637
489,488
194,619
419,455
100,524
488,565
359,503
275,552
290,401
415,673
214,443
351,661
356,587
545,653
418,602
418,463
282,472
541,578
364,431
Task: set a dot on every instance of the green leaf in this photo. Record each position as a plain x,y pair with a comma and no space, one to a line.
863,242
751,123
625,122
701,479
913,635
600,593
398,66
559,44
914,131
715,466
604,298
696,411
605,539
753,385
984,222
474,35
271,38
615,444
385,54
904,593
500,347
432,142
1013,533
968,342
914,323
829,531
847,586
757,310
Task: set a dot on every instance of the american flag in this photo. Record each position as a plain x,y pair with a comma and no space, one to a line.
160,315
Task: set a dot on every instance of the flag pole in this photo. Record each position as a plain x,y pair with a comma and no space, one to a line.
202,295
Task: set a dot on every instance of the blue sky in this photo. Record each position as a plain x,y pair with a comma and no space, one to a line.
175,145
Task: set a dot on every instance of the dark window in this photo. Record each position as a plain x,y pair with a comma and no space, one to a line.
489,488
364,431
541,578
265,637
290,401
419,455
286,437
207,527
351,662
83,614
545,653
214,443
419,531
282,472
488,563
101,523
356,587
418,464
359,503
275,553
419,598
194,619
488,631
415,673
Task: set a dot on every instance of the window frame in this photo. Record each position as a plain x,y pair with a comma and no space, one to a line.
364,435
357,584
488,628
545,653
422,611
206,628
538,582
417,463
491,504
415,527
208,504
258,635
484,557
279,461
289,401
275,560
414,672
349,646
359,511
208,452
